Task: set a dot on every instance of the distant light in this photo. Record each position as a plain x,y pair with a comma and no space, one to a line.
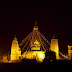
47,56
50,60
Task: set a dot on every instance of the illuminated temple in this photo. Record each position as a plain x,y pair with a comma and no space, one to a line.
15,50
55,47
35,45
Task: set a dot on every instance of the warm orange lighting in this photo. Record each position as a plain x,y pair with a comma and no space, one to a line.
55,47
15,50
38,55
69,52
35,46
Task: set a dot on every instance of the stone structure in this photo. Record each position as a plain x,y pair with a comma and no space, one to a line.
15,50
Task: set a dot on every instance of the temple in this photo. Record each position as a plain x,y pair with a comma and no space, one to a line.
35,45
15,50
55,47
69,52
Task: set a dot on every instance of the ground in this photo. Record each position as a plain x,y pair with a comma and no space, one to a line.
28,66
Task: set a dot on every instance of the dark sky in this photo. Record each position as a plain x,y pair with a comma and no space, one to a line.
17,18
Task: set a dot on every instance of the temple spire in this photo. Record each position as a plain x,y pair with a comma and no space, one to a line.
35,22
15,38
54,36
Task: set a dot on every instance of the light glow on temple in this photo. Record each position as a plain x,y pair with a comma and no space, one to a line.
34,46
15,50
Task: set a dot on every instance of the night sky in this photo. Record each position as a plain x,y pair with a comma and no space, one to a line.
17,18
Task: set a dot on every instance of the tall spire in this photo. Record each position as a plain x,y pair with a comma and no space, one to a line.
35,27
35,22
